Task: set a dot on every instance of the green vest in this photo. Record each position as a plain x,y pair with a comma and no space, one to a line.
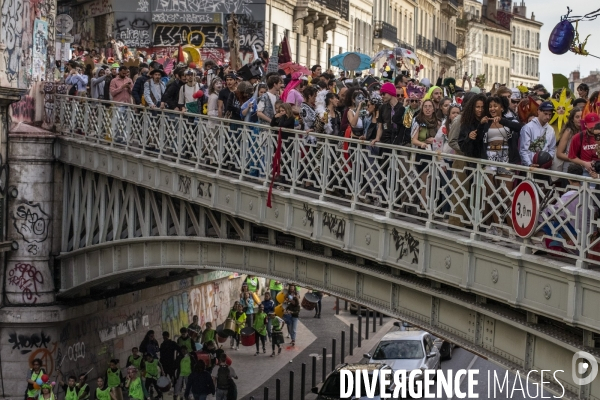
151,369
252,284
81,395
275,286
135,388
103,394
277,326
34,377
136,362
114,378
71,394
259,323
187,342
185,366
208,335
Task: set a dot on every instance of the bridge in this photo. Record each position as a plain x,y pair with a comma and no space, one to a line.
147,192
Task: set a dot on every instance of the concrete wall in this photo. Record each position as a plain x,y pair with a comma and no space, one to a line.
91,334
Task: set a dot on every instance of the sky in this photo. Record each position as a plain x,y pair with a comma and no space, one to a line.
549,12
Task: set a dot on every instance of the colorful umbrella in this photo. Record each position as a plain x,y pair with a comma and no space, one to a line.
351,61
291,67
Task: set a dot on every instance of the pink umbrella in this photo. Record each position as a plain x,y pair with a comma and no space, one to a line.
291,67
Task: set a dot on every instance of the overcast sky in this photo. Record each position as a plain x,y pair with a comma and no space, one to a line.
549,12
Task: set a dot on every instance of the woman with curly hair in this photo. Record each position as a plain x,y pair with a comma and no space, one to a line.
573,126
370,119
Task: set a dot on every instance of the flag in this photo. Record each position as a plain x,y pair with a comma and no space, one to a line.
276,169
285,54
180,55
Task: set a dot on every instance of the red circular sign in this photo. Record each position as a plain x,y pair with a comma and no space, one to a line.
525,209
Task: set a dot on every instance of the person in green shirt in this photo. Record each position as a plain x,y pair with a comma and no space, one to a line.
260,328
137,391
83,389
195,330
35,373
240,322
153,372
70,388
231,315
185,340
209,333
277,325
135,359
252,282
103,392
185,365
275,287
113,377
46,392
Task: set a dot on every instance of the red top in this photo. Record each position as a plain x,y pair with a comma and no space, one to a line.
587,152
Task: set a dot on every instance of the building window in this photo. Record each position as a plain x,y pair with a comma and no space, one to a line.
519,37
502,48
474,68
501,77
514,35
495,74
527,37
507,50
485,44
497,45
485,69
512,61
404,34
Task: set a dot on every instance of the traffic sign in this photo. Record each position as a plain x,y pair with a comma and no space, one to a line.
63,23
525,209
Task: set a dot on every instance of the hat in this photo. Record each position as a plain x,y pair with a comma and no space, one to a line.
110,60
515,94
415,91
546,106
425,82
475,89
376,99
114,65
590,120
388,88
160,71
231,75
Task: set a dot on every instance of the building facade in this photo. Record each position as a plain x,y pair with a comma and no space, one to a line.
526,46
469,31
496,54
592,80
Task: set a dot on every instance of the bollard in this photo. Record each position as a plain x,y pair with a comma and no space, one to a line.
277,389
291,397
359,310
345,305
313,378
351,339
337,306
367,326
380,319
303,381
359,330
266,395
324,370
343,350
374,323
333,346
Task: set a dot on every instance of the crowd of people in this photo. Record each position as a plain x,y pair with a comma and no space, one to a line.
193,365
512,126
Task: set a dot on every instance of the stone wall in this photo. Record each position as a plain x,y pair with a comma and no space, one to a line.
92,334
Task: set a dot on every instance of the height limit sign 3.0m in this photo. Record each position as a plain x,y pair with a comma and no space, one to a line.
525,209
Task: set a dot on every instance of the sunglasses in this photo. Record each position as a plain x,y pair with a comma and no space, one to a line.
414,101
515,101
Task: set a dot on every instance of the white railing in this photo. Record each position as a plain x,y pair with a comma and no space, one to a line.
397,183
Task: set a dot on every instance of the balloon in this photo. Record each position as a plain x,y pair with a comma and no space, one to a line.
561,37
45,378
36,386
53,383
39,381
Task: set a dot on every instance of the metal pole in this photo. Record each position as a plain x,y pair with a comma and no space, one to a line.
324,370
266,395
380,319
367,326
291,385
333,351
359,330
374,322
343,350
351,339
277,389
337,306
345,305
303,381
359,309
313,382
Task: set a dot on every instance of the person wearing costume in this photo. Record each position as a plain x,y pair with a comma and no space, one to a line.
137,390
46,392
35,373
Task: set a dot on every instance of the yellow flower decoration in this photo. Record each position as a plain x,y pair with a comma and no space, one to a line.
562,108
523,89
205,109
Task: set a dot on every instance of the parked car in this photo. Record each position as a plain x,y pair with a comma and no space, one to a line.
330,388
407,350
363,310
446,348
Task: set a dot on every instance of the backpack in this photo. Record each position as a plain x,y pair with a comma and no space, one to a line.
223,375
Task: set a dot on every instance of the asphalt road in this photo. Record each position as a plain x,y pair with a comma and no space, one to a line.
329,326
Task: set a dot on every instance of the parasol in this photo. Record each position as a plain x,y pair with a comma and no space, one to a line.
291,67
351,61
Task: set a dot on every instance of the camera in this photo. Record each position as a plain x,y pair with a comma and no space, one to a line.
596,166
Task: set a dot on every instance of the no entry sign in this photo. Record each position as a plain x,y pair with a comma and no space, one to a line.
525,209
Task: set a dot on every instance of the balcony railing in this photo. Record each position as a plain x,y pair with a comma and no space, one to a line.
340,6
412,185
386,31
424,44
449,48
437,45
406,46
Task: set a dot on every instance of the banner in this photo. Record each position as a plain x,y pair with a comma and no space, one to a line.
40,49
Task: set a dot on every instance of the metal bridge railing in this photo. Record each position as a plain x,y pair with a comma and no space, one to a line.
435,189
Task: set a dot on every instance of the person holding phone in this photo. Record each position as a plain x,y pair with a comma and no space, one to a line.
120,87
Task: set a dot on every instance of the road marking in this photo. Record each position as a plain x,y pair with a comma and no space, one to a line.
464,376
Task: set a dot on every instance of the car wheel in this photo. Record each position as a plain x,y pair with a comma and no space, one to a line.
449,356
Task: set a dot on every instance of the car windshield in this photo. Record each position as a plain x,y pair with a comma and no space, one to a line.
399,350
331,387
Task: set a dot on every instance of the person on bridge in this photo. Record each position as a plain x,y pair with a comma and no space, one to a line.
103,392
168,351
260,328
153,371
185,364
135,358
185,340
35,373
121,86
200,383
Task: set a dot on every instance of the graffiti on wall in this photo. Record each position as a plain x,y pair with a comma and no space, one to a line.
40,49
134,33
32,223
251,32
26,278
206,6
174,313
197,35
24,110
27,343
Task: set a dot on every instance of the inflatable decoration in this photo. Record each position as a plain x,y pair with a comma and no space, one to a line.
565,37
563,108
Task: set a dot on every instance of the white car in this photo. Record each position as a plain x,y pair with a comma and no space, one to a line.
407,350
